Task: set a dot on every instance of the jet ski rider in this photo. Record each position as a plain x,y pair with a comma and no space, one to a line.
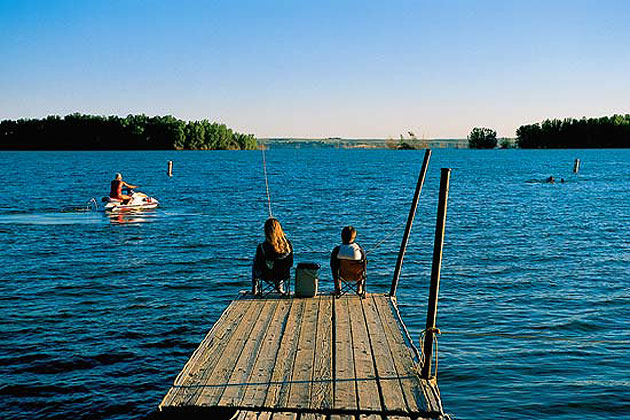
117,186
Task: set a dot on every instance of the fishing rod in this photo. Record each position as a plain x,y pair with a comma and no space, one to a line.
264,159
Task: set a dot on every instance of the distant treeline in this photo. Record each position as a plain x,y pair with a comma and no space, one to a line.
586,133
133,132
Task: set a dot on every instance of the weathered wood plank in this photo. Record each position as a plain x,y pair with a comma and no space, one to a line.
369,398
246,415
284,416
233,392
281,376
312,416
219,332
405,366
299,393
437,396
322,387
256,391
185,389
393,398
215,380
432,396
342,417
345,379
318,354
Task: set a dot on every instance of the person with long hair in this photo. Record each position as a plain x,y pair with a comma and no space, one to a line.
274,258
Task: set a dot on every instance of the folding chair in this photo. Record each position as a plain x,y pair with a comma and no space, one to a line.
268,286
352,275
275,278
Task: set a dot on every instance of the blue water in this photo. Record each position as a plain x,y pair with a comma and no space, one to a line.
99,314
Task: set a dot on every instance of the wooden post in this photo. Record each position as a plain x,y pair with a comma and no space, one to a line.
412,214
169,171
435,273
576,166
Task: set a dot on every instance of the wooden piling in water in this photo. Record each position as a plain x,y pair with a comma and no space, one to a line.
576,166
435,274
412,215
169,170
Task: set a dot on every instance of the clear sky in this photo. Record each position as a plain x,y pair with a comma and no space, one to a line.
319,68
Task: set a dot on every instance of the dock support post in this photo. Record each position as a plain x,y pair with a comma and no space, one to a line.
576,166
435,274
412,215
169,171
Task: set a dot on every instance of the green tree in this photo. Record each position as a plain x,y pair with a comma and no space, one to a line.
133,132
506,143
194,136
613,131
245,141
482,138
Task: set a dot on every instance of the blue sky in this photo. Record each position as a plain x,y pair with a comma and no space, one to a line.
321,68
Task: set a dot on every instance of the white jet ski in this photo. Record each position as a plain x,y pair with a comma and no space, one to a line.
138,201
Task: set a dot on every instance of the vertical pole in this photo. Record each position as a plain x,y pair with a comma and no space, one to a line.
169,171
576,166
435,273
412,214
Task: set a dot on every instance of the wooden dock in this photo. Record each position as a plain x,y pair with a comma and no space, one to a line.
306,359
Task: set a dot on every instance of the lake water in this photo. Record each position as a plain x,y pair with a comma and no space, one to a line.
99,314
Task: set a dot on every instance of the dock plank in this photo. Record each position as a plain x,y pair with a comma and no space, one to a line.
342,417
306,359
393,398
432,395
281,376
322,386
312,416
233,392
299,393
215,381
403,359
202,361
369,397
256,391
284,416
246,415
345,379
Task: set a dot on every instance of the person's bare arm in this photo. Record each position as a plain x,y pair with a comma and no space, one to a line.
132,187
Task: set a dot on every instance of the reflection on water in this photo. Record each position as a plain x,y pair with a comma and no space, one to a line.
64,218
131,216
79,217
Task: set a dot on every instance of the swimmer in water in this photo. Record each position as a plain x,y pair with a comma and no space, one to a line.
550,180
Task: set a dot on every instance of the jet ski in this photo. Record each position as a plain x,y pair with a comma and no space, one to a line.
138,201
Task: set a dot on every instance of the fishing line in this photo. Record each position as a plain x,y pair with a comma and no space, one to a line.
264,159
394,231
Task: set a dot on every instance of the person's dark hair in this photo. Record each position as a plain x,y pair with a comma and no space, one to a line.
348,234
